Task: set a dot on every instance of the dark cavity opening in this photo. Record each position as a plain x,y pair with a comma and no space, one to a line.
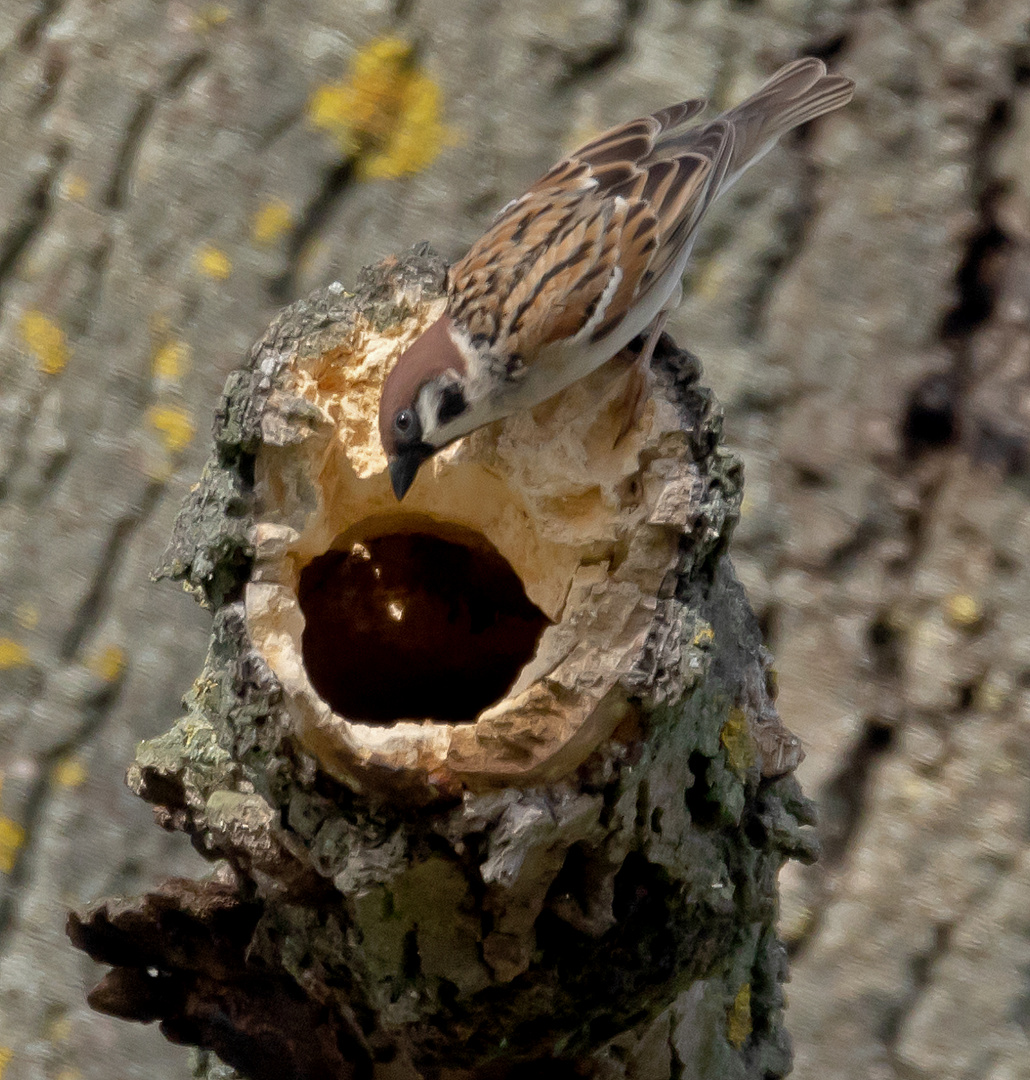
415,625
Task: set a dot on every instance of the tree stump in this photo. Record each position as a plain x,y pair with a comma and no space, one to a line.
492,777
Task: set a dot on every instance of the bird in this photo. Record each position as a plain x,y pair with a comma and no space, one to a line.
572,271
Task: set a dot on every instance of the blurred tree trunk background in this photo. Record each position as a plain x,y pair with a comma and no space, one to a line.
173,171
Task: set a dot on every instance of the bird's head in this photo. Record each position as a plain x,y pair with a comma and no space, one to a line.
423,407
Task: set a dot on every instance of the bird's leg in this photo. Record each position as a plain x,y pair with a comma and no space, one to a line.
639,384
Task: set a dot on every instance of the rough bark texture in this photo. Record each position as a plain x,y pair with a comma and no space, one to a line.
411,920
861,304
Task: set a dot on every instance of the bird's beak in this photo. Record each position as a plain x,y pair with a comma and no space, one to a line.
405,465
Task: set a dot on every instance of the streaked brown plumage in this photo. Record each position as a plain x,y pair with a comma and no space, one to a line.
589,257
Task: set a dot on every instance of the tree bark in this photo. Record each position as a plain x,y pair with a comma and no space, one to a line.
537,872
859,299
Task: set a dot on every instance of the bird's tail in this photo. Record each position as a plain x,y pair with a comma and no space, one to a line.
798,92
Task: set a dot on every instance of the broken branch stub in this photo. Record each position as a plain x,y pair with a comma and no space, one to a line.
495,772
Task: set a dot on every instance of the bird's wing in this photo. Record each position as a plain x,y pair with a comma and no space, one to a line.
573,255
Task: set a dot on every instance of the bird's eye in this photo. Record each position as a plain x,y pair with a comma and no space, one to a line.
406,428
404,421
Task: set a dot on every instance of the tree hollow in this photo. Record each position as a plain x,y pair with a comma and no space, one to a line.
414,619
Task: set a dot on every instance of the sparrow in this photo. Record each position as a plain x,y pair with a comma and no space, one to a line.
586,260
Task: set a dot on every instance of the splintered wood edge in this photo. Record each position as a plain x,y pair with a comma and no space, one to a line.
590,523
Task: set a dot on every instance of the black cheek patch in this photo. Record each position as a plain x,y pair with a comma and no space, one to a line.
452,404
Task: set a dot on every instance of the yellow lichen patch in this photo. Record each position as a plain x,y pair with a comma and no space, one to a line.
27,615
212,262
385,114
6,1053
210,16
704,637
175,425
882,202
709,278
311,256
12,836
916,790
70,772
271,221
108,663
738,1018
991,697
738,741
45,340
12,654
191,731
796,928
582,132
75,188
963,610
171,360
57,1030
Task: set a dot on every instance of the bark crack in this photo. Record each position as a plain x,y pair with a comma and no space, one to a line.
583,64
78,326
795,220
933,428
119,186
921,966
13,884
95,708
35,210
934,415
94,605
843,801
35,27
88,300
335,184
